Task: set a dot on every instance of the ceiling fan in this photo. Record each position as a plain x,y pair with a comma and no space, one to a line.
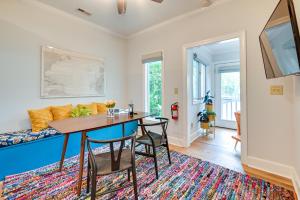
122,5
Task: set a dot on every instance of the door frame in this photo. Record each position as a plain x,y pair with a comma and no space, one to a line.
187,95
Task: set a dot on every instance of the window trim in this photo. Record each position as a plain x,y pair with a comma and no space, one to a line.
199,100
163,87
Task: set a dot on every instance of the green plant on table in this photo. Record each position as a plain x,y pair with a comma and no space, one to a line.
81,111
110,104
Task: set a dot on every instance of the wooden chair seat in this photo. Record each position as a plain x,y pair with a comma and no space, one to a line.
151,140
117,159
103,162
145,139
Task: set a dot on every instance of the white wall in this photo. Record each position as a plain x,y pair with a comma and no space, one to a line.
296,136
25,26
296,115
269,135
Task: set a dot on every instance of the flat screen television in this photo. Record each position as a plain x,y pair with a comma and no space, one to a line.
280,42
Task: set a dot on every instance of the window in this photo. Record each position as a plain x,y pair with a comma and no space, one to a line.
153,87
199,80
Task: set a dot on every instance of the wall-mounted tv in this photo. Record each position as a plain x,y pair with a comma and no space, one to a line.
280,42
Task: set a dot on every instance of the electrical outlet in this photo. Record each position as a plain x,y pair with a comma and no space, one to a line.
276,90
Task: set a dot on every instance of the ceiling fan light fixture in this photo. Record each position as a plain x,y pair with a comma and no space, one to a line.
122,5
158,1
205,3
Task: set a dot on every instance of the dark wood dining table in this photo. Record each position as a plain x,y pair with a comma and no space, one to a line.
87,124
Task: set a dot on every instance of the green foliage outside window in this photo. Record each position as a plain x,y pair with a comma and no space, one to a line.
155,88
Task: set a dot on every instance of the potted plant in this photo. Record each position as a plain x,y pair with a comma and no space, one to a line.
208,101
110,106
203,119
211,115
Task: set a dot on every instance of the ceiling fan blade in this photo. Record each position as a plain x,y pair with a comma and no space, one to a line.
122,5
205,3
158,1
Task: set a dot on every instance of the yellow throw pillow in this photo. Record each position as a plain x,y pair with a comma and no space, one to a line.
40,119
61,112
92,107
101,108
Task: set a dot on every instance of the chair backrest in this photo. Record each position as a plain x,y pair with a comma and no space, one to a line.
163,123
114,149
238,122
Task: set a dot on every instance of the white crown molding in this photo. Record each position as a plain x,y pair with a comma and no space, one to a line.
177,18
65,14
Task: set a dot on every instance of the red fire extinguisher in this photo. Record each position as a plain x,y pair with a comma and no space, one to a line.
174,111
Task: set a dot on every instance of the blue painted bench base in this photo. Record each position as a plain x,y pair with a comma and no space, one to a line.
35,154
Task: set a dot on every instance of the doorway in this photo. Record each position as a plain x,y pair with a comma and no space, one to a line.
224,59
227,94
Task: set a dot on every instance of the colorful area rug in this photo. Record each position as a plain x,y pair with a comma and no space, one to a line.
186,178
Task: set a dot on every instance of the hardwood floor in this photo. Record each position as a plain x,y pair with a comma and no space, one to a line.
218,150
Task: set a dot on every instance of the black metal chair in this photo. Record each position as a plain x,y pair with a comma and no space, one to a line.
116,160
150,139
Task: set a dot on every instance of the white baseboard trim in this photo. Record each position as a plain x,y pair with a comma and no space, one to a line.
176,141
270,166
277,169
296,182
194,136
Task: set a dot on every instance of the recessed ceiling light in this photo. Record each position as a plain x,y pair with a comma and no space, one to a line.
230,40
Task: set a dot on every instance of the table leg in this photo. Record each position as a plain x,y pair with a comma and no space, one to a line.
64,151
81,161
123,130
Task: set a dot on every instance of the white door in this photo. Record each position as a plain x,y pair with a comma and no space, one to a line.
227,95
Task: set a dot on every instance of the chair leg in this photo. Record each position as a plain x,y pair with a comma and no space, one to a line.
88,178
155,161
168,150
94,185
128,173
134,183
148,149
235,144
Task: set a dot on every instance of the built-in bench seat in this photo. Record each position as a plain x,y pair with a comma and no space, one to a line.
18,137
23,151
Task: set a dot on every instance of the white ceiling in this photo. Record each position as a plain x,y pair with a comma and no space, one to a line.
222,47
225,48
140,15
